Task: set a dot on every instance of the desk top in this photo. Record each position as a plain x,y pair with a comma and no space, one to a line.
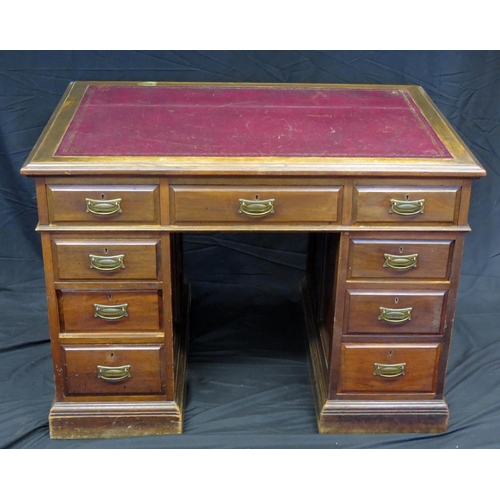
248,129
221,121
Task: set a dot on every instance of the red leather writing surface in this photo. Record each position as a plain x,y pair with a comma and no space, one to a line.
214,121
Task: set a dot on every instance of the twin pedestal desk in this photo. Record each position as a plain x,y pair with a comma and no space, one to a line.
374,174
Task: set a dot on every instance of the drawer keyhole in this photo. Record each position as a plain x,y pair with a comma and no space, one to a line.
401,249
396,300
390,353
110,297
102,196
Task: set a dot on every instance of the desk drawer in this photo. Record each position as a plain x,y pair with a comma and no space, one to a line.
105,259
387,312
103,204
113,370
389,368
109,311
406,204
255,204
399,259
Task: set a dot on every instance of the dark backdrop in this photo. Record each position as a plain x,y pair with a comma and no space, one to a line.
248,382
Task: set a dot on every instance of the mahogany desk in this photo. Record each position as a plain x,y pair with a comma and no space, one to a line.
375,174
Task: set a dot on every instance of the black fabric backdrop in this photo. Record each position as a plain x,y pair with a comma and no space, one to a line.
248,380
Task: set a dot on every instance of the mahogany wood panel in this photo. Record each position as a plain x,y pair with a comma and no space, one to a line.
321,273
99,420
53,314
78,311
205,204
67,203
367,258
365,316
138,258
358,367
372,204
143,375
391,416
103,420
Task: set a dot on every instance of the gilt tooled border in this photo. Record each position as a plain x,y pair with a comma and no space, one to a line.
440,147
75,123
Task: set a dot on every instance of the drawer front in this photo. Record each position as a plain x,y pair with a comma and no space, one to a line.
389,368
113,370
109,311
394,312
106,259
255,204
406,204
103,204
399,259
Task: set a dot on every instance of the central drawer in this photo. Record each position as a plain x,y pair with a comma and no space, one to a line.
109,311
113,370
254,204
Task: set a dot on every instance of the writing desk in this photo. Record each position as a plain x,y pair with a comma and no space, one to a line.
375,174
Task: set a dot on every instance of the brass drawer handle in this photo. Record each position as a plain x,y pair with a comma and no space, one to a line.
103,207
111,313
107,263
113,373
256,208
395,315
407,207
400,262
389,371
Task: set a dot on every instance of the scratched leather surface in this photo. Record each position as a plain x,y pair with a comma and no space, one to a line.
182,121
248,382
